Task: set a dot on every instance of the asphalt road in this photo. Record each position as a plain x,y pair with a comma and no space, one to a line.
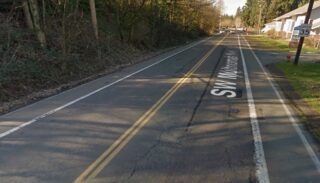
205,112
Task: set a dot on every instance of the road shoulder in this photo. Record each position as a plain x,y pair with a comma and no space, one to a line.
308,116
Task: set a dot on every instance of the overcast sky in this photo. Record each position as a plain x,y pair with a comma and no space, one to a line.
232,5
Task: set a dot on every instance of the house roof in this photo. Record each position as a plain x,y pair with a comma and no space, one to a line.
271,23
299,11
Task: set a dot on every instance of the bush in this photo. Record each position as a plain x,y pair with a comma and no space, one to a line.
273,34
312,41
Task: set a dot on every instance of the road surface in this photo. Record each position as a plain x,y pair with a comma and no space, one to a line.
205,112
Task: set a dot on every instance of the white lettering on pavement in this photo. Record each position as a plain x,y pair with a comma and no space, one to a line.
225,84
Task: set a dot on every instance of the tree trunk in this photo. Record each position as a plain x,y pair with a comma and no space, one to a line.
44,14
94,18
119,22
34,10
27,14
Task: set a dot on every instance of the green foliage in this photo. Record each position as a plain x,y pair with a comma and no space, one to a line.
280,7
249,13
270,9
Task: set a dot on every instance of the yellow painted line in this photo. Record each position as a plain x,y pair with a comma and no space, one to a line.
104,159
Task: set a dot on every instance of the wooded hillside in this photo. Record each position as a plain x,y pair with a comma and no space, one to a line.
44,43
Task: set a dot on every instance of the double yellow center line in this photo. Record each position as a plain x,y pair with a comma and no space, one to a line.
104,159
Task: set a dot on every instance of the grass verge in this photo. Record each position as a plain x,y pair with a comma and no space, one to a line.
305,79
276,44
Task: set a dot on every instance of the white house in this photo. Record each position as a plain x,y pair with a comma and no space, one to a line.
268,27
286,23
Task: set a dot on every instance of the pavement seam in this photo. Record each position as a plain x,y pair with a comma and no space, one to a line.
205,89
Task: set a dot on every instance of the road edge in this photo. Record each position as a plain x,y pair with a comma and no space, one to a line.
309,117
34,97
294,121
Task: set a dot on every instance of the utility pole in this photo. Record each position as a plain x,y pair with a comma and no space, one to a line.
306,21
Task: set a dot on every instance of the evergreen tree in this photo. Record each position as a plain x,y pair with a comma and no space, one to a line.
270,9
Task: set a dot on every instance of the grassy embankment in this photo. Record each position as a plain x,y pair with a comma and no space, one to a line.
305,78
276,44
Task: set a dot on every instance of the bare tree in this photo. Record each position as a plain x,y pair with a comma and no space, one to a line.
27,14
94,18
33,13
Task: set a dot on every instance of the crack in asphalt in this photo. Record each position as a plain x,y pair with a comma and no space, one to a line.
159,141
195,109
148,153
145,155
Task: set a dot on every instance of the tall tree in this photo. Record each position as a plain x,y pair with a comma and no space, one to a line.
250,12
27,14
35,15
94,20
238,13
270,9
279,7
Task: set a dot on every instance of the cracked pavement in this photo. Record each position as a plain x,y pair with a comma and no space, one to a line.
195,136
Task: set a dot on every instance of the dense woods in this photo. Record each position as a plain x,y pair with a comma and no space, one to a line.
147,22
45,43
257,12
